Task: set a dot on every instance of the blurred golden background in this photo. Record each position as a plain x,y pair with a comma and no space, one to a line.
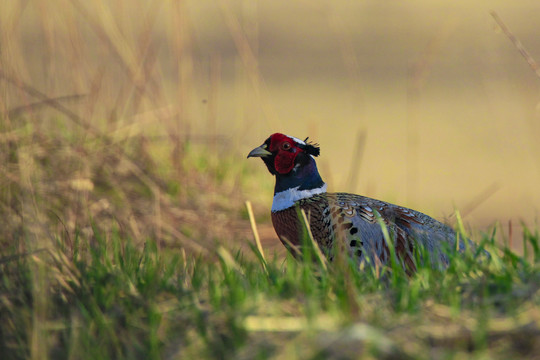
427,104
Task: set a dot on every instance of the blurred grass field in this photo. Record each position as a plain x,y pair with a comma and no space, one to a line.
124,128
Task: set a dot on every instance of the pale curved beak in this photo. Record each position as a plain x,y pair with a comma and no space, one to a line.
259,152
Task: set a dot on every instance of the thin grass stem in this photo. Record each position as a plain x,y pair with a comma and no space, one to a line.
318,252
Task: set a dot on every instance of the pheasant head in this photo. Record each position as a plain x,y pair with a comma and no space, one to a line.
292,161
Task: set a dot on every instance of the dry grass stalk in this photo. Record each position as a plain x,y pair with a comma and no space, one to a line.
254,229
519,46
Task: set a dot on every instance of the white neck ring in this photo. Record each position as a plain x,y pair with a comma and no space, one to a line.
286,199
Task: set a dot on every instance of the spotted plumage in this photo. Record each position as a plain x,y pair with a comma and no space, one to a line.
341,218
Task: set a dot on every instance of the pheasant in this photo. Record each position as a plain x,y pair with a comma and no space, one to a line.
341,217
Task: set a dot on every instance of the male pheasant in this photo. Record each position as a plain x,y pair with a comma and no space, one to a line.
336,217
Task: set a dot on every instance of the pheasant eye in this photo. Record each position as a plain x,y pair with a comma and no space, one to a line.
285,146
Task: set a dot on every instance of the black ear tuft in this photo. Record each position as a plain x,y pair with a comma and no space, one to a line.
311,148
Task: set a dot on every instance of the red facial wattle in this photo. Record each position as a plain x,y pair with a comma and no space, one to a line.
286,152
284,161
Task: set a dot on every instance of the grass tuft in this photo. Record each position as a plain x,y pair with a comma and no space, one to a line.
115,299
